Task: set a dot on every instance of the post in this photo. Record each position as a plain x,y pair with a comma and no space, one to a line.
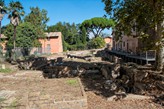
155,54
146,55
146,58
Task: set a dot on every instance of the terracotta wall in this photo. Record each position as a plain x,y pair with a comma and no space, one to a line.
127,44
3,44
108,40
54,43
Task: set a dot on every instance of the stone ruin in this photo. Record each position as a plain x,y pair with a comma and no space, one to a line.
121,78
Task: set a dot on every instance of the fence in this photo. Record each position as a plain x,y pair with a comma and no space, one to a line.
148,54
23,52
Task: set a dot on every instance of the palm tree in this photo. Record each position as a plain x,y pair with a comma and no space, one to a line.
2,13
15,13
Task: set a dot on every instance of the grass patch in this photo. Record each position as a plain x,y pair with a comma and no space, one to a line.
72,82
2,99
13,105
7,70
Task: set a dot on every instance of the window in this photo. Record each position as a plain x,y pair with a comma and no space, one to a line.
48,46
124,44
48,39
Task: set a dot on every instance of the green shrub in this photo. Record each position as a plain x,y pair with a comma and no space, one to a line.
96,43
75,47
81,46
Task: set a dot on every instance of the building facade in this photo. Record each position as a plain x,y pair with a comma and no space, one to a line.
52,43
3,42
126,43
109,42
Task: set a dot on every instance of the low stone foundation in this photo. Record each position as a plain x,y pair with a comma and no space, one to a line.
40,93
64,102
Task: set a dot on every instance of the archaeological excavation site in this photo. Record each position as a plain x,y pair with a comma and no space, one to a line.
91,79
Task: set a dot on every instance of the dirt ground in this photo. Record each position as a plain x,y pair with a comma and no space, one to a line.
98,102
31,83
97,97
21,89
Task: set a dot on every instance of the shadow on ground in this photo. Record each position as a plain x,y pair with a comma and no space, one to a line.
89,72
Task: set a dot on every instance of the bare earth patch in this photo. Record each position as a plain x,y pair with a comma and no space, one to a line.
28,89
40,93
98,102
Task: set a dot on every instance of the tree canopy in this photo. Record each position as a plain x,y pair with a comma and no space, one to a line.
38,18
73,38
96,43
146,17
3,8
97,25
26,36
15,12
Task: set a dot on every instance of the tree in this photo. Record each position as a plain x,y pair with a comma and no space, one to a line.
38,18
15,13
71,36
146,17
83,35
26,36
96,43
57,27
97,25
3,11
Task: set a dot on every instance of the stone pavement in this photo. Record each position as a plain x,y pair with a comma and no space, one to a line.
29,90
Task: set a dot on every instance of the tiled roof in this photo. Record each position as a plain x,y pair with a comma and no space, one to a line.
108,37
53,34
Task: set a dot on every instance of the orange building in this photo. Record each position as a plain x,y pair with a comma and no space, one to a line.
126,43
109,42
52,43
3,41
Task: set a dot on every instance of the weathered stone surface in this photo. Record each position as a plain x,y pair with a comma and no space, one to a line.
44,97
105,72
129,97
34,94
6,94
8,102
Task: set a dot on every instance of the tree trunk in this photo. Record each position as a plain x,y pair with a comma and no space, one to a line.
160,50
159,30
14,58
0,30
160,59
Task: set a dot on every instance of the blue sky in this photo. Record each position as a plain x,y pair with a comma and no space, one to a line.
64,10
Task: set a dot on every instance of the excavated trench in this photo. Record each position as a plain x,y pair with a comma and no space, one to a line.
106,79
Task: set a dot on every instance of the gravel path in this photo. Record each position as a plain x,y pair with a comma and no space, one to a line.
98,102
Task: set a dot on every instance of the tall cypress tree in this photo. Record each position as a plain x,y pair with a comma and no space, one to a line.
83,35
